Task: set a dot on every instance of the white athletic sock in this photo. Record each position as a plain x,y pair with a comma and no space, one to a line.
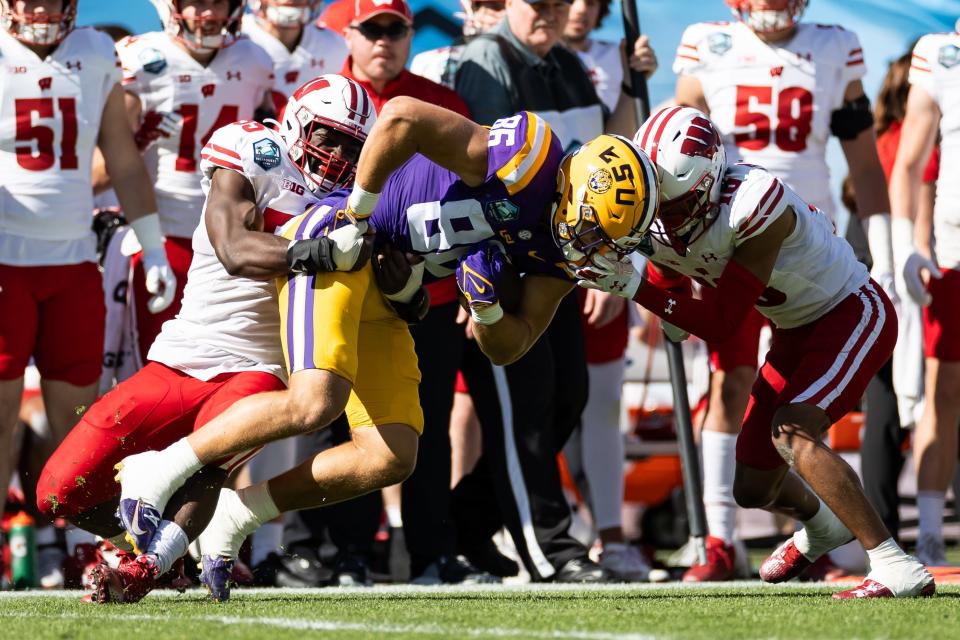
180,460
719,464
266,540
169,544
46,534
820,534
897,571
257,499
394,516
930,505
601,444
77,536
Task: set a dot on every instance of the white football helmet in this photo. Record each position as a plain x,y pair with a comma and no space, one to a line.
768,16
688,152
334,102
38,28
219,34
285,14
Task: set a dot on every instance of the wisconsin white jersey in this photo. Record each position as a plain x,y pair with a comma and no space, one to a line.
815,269
936,70
319,51
50,112
439,65
167,79
228,323
602,60
773,103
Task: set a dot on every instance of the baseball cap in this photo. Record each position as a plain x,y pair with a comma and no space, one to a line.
366,9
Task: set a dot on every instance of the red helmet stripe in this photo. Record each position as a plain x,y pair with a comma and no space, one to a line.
660,129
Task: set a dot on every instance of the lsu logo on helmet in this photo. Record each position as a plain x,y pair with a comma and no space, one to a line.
606,198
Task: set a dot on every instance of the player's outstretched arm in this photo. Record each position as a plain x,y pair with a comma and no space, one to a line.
407,126
235,230
506,340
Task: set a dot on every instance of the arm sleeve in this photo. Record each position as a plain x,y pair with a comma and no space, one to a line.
676,283
715,320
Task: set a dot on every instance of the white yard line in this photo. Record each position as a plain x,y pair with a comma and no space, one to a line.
303,624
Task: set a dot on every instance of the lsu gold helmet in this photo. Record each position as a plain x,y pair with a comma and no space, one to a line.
606,198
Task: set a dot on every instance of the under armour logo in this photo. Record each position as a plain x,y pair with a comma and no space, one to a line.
233,74
709,257
671,303
73,65
207,90
45,83
316,63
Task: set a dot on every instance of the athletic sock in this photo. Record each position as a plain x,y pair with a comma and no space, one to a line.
719,464
820,534
266,540
897,571
930,504
257,499
238,514
180,460
168,545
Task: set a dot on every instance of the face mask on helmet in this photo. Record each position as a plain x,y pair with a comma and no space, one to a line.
323,170
769,17
605,200
684,219
199,29
286,13
44,29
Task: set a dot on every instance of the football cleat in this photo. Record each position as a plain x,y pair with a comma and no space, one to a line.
873,589
128,583
785,563
78,568
140,521
719,566
624,562
217,576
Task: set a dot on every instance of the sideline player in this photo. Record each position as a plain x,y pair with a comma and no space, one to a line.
777,89
300,48
931,107
739,230
59,98
435,184
182,84
224,343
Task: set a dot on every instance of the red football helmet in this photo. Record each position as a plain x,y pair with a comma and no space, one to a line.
208,33
285,13
38,28
333,102
768,16
688,151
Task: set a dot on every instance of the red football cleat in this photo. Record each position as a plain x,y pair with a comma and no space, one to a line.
873,589
78,568
719,566
128,583
786,563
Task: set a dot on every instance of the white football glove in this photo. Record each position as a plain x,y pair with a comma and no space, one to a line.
673,332
910,263
348,244
613,276
913,268
160,280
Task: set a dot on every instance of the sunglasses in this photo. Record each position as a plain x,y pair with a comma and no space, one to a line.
373,31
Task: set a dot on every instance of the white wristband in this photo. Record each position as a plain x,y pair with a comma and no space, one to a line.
879,240
148,232
486,314
901,232
361,202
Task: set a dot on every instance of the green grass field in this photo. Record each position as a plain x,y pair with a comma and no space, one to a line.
740,610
